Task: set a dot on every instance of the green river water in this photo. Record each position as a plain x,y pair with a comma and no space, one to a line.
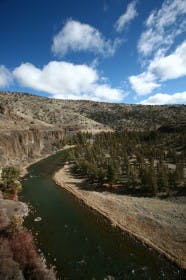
79,242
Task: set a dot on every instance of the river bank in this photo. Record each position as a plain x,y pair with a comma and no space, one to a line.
18,252
160,224
24,168
19,257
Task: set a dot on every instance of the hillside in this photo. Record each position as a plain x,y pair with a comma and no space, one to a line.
32,126
21,109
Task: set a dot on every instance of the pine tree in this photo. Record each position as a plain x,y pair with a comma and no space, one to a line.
112,175
179,173
153,179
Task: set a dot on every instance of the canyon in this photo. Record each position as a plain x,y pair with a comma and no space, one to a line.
33,127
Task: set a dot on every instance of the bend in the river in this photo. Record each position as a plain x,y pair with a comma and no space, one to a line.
78,241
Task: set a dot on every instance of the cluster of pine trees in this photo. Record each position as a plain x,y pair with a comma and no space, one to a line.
150,161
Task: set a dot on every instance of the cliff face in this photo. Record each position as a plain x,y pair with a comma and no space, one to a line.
20,147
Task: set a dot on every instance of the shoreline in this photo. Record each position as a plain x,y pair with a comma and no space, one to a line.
24,168
23,238
129,215
41,258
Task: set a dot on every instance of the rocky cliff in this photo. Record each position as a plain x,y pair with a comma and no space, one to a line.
20,147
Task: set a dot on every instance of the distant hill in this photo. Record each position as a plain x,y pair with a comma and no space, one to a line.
21,110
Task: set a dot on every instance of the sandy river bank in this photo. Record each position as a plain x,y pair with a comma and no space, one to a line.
160,224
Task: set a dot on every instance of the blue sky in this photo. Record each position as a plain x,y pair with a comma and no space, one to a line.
105,50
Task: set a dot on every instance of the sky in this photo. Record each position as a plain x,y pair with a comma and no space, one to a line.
116,51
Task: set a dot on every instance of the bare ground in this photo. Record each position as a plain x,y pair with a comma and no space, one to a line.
161,224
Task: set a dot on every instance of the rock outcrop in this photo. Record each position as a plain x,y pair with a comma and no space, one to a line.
9,209
20,147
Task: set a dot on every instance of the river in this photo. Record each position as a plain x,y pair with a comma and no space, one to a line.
79,242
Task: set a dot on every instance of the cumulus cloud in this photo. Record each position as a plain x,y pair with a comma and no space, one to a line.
161,68
67,81
57,77
163,26
143,83
5,77
127,17
76,36
102,92
172,66
155,44
163,98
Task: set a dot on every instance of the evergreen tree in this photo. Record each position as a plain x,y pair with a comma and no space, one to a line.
112,175
179,173
153,179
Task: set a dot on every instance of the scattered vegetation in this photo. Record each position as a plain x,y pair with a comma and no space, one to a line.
31,110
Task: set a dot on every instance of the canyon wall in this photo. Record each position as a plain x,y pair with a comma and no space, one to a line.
21,147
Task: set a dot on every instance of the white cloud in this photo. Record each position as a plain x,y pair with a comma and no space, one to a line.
103,91
68,81
163,98
172,66
77,36
57,77
155,44
163,26
160,69
143,83
5,77
127,17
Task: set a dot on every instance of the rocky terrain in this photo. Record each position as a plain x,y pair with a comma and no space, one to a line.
23,139
21,147
27,110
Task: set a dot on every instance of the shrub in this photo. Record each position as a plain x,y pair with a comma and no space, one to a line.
9,269
10,183
25,253
23,249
